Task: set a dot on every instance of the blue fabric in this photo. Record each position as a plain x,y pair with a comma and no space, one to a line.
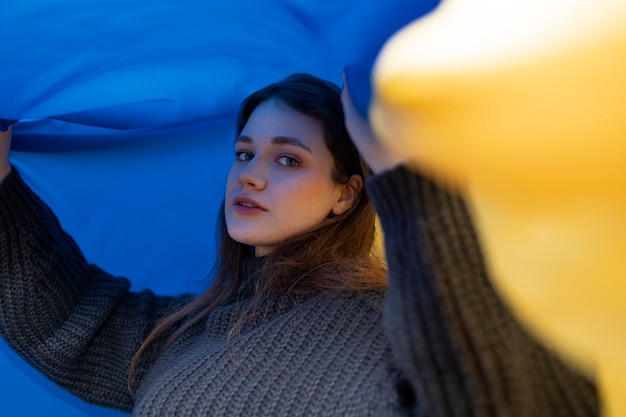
126,115
4,124
357,77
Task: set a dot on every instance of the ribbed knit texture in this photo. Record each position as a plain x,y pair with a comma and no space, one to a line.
325,356
454,339
457,351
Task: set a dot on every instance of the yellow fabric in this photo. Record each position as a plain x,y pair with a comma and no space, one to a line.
521,105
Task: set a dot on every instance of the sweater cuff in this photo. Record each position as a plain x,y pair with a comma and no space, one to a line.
388,188
401,193
18,203
11,177
12,185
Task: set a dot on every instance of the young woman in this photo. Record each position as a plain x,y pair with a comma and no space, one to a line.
293,323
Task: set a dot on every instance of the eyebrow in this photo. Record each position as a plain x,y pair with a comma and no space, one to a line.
277,140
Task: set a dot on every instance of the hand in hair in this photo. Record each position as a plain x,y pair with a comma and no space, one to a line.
371,149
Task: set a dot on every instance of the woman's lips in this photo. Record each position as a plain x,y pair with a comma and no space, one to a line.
246,205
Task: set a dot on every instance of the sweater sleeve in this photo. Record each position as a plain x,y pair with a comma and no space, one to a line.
458,346
72,321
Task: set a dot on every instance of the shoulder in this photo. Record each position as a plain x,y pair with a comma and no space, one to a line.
348,321
359,307
370,299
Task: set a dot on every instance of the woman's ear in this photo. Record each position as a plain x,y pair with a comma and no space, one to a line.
349,193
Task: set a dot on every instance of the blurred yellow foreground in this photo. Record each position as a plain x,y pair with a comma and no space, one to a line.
522,106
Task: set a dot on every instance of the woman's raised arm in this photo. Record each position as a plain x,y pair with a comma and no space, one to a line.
454,340
69,319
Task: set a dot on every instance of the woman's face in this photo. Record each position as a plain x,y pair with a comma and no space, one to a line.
280,183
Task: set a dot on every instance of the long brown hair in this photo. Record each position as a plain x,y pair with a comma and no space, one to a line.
336,255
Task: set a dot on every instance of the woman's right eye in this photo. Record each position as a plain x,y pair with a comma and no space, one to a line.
243,155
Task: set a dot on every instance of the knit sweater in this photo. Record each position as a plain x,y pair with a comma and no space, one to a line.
448,346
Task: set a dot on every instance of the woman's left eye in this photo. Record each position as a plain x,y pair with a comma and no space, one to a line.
288,161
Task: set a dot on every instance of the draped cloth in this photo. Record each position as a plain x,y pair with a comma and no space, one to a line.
127,116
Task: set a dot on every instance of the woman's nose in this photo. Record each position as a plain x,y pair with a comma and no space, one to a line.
252,175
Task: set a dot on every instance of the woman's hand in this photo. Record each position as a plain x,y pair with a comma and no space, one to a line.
5,146
372,151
